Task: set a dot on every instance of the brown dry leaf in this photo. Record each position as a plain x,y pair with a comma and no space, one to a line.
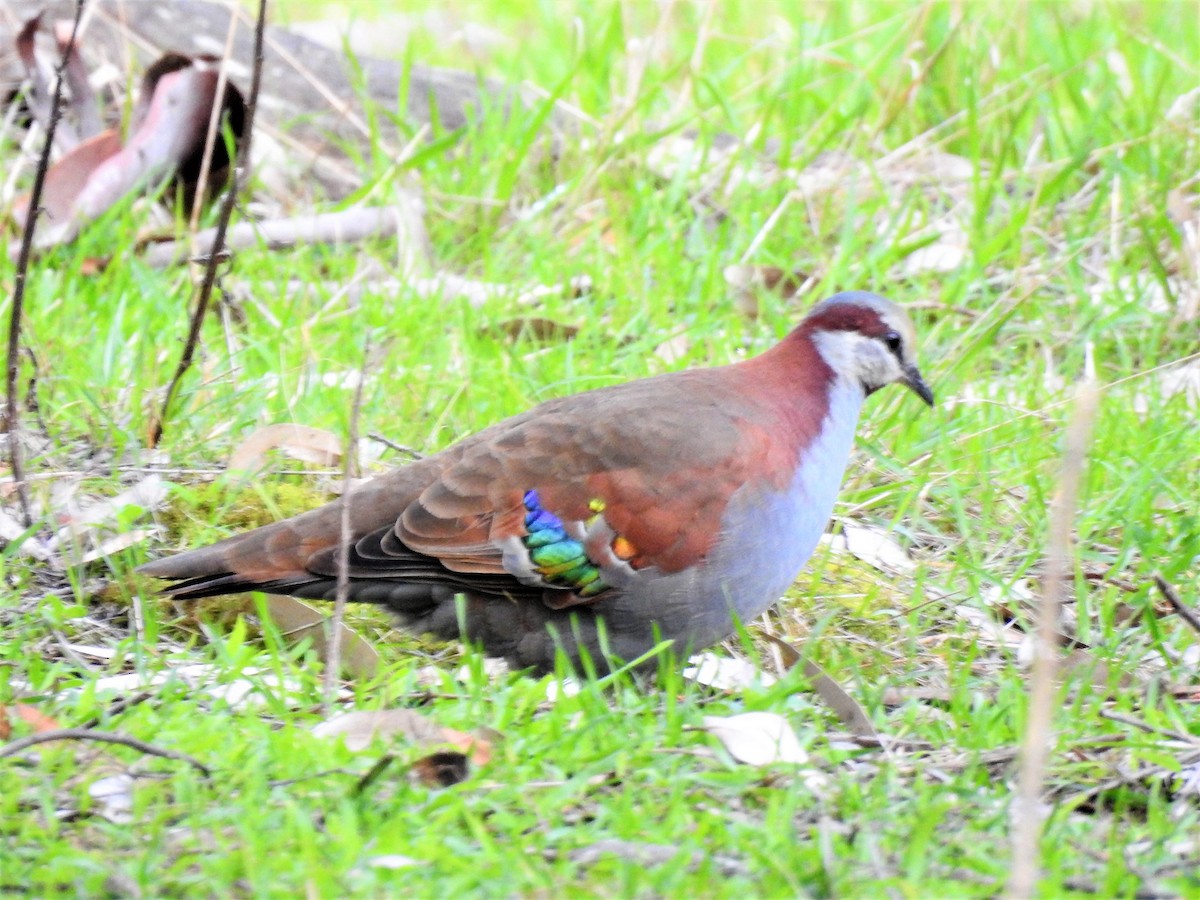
297,620
845,707
673,350
170,124
536,328
83,100
67,178
757,738
34,718
38,74
898,696
1082,664
359,728
310,445
748,281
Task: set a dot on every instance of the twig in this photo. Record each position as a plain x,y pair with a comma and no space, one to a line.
227,204
104,737
1186,739
12,422
399,448
214,127
333,646
1026,813
1184,612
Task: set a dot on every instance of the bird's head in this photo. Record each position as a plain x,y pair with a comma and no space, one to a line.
864,337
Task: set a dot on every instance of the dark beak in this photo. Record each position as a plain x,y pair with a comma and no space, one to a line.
913,380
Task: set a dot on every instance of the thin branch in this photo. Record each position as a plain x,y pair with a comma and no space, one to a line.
1184,612
214,127
227,204
1027,814
12,422
104,737
333,646
1188,739
399,448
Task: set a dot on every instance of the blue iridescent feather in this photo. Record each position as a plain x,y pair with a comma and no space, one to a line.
557,557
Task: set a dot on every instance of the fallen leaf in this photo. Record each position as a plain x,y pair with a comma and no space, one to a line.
310,445
535,328
945,254
726,673
94,531
359,728
757,738
845,707
113,797
170,124
258,687
634,851
876,547
35,718
67,177
748,281
394,861
674,350
297,619
79,522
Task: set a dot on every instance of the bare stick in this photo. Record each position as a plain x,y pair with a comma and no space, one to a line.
1026,810
1184,612
399,448
105,737
12,417
333,646
210,269
214,127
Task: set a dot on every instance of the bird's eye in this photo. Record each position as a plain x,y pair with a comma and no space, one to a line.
894,342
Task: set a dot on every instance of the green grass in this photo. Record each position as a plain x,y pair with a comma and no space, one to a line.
1068,208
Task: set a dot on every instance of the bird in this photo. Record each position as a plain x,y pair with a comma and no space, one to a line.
604,524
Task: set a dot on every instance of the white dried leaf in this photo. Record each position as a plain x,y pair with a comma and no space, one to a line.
945,254
568,687
359,728
876,547
113,798
259,687
726,673
394,861
11,530
757,738
110,546
82,523
1148,292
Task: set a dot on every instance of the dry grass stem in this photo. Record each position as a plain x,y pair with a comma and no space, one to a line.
1026,813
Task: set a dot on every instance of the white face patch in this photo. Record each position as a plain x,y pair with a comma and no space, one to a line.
861,359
